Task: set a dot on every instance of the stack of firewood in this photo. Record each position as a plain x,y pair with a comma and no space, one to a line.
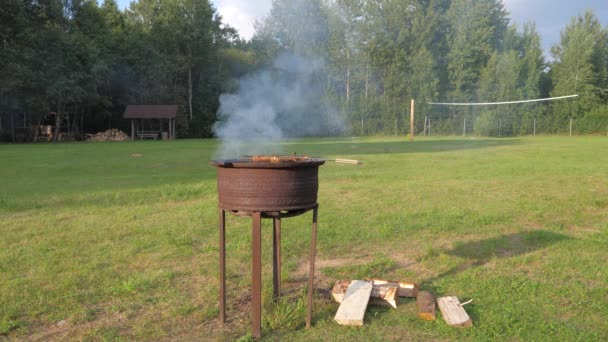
109,135
354,296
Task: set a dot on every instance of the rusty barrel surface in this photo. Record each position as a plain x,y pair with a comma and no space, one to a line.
265,186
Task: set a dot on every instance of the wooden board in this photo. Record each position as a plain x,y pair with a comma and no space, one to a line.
353,306
426,305
405,289
453,313
348,161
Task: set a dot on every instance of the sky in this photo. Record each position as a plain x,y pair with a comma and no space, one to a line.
550,16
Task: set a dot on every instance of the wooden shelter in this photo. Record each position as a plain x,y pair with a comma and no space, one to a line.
13,124
142,121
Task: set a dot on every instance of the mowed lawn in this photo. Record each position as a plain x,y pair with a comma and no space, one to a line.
97,243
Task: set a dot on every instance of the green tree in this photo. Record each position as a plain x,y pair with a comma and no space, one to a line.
579,66
500,81
476,30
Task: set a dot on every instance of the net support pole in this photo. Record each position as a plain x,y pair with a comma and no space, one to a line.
499,127
534,126
425,125
570,126
464,128
412,121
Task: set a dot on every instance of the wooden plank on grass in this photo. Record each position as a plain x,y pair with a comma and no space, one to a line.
354,304
453,313
348,161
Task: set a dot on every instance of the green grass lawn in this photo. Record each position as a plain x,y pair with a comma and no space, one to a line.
96,244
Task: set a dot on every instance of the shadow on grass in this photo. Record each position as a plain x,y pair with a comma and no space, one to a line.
479,253
359,147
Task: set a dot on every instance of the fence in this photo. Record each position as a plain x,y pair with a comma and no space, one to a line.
469,127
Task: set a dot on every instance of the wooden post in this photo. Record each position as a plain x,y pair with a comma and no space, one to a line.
534,126
464,128
13,127
132,130
412,121
396,126
425,125
570,126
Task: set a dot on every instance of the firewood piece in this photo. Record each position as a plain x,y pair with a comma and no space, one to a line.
405,289
426,305
109,135
453,313
383,295
354,304
339,289
348,161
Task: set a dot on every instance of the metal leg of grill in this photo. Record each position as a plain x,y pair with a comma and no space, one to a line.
311,276
222,266
256,270
276,257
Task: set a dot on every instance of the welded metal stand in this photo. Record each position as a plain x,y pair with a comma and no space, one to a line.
256,262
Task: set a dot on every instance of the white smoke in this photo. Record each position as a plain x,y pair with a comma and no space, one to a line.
284,101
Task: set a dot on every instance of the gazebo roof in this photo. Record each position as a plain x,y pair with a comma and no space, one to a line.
150,112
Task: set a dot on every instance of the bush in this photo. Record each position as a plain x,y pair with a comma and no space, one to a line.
594,121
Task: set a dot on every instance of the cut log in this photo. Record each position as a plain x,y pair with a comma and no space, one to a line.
354,304
405,289
382,295
453,313
426,305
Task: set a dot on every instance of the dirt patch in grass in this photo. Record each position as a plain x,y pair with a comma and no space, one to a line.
396,261
64,330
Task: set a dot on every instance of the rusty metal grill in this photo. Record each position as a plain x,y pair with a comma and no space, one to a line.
268,187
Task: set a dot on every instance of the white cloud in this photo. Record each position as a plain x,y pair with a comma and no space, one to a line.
242,14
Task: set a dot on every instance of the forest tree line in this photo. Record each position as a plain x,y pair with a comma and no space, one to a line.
85,61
